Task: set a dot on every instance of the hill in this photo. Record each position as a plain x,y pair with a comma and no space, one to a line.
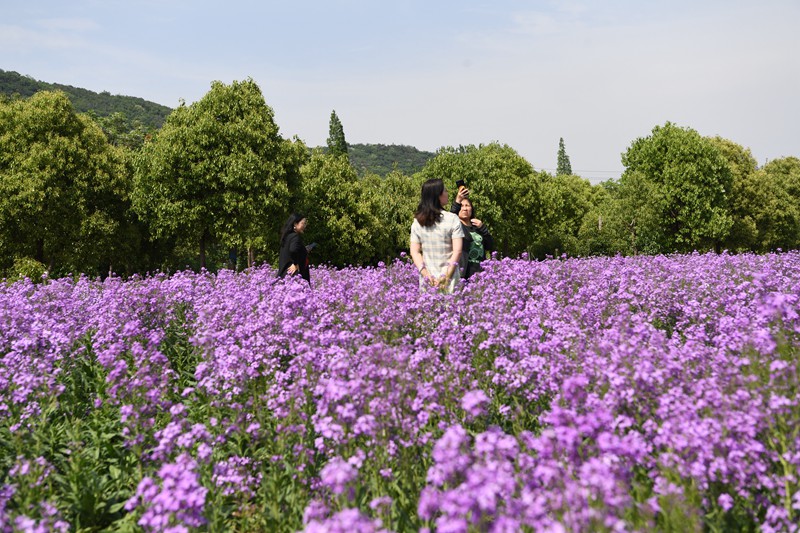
381,158
136,110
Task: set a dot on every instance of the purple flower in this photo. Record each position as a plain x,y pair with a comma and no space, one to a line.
237,475
345,521
337,474
178,500
725,501
474,403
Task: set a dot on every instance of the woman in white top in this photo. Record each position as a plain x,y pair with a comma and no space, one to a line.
436,239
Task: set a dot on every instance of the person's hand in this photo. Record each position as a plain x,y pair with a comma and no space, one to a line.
292,269
463,194
433,282
477,223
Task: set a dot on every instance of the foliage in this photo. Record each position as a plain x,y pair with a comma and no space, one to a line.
563,166
566,200
634,216
775,190
398,200
337,145
345,212
218,179
604,229
27,267
219,172
690,179
64,191
122,132
742,195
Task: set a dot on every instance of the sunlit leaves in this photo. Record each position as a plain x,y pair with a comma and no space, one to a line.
692,181
219,171
63,188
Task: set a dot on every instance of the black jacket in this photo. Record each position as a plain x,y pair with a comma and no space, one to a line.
468,267
293,251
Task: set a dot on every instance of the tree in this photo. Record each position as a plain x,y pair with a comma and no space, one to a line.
563,167
604,229
399,197
63,189
383,159
337,145
122,132
775,190
566,199
691,181
745,196
638,213
219,172
344,214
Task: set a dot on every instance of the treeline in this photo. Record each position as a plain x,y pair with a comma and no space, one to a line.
128,120
212,186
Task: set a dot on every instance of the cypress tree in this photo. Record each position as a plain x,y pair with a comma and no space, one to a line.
337,145
563,167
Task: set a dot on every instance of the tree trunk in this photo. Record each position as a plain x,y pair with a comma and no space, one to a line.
251,257
203,251
40,251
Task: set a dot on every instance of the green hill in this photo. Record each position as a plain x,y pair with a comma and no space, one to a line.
149,115
381,158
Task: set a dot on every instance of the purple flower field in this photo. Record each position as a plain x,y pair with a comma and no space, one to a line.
641,393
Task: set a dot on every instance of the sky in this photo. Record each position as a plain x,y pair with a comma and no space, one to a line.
435,73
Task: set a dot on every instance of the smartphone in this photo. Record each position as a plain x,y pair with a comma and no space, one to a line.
311,246
459,184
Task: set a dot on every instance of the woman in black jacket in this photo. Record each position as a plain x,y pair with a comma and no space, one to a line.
294,254
477,239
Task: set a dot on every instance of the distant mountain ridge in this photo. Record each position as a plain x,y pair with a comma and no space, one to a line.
378,159
136,110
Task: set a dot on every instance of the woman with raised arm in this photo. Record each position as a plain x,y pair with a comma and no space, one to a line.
477,239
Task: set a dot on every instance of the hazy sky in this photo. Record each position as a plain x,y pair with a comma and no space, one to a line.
444,73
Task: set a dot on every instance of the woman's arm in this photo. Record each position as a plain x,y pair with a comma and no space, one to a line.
488,240
462,194
419,262
297,252
455,256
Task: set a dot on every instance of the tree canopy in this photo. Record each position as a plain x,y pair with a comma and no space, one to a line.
63,188
690,182
383,159
219,172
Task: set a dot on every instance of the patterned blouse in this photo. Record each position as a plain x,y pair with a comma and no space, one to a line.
437,245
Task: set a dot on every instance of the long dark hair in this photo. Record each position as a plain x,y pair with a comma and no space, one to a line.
288,227
429,209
